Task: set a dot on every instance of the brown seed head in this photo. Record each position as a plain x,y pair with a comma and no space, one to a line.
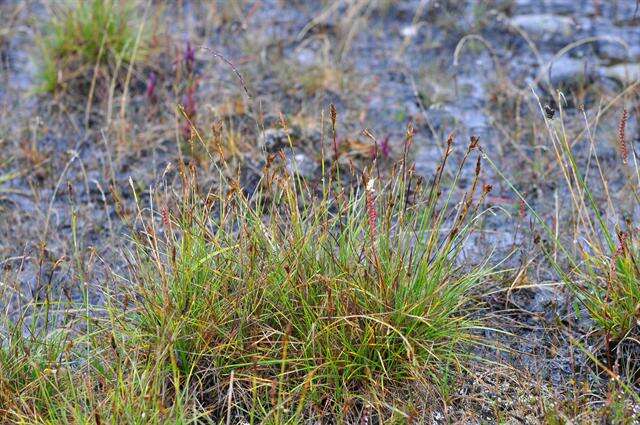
333,113
473,142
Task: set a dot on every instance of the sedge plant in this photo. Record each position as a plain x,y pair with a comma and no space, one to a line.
601,264
297,301
84,41
605,269
304,301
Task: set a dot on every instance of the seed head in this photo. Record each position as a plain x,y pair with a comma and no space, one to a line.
549,111
151,85
622,144
371,206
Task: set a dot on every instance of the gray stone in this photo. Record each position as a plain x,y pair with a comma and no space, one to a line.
301,164
273,139
307,57
567,71
552,6
613,49
624,73
544,25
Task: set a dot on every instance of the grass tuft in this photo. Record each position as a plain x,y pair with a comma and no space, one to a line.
297,302
331,301
86,39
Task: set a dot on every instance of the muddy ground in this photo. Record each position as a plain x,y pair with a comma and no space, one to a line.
447,67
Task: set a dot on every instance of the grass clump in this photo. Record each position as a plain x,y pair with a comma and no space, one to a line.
601,266
613,298
86,40
296,302
58,375
614,272
606,271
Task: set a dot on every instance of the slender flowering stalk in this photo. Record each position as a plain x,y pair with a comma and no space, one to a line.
622,144
334,114
189,57
165,217
371,207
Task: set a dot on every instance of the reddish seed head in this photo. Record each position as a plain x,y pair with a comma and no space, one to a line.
151,84
165,217
371,207
622,144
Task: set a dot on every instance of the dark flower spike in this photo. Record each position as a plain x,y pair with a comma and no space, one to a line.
549,111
